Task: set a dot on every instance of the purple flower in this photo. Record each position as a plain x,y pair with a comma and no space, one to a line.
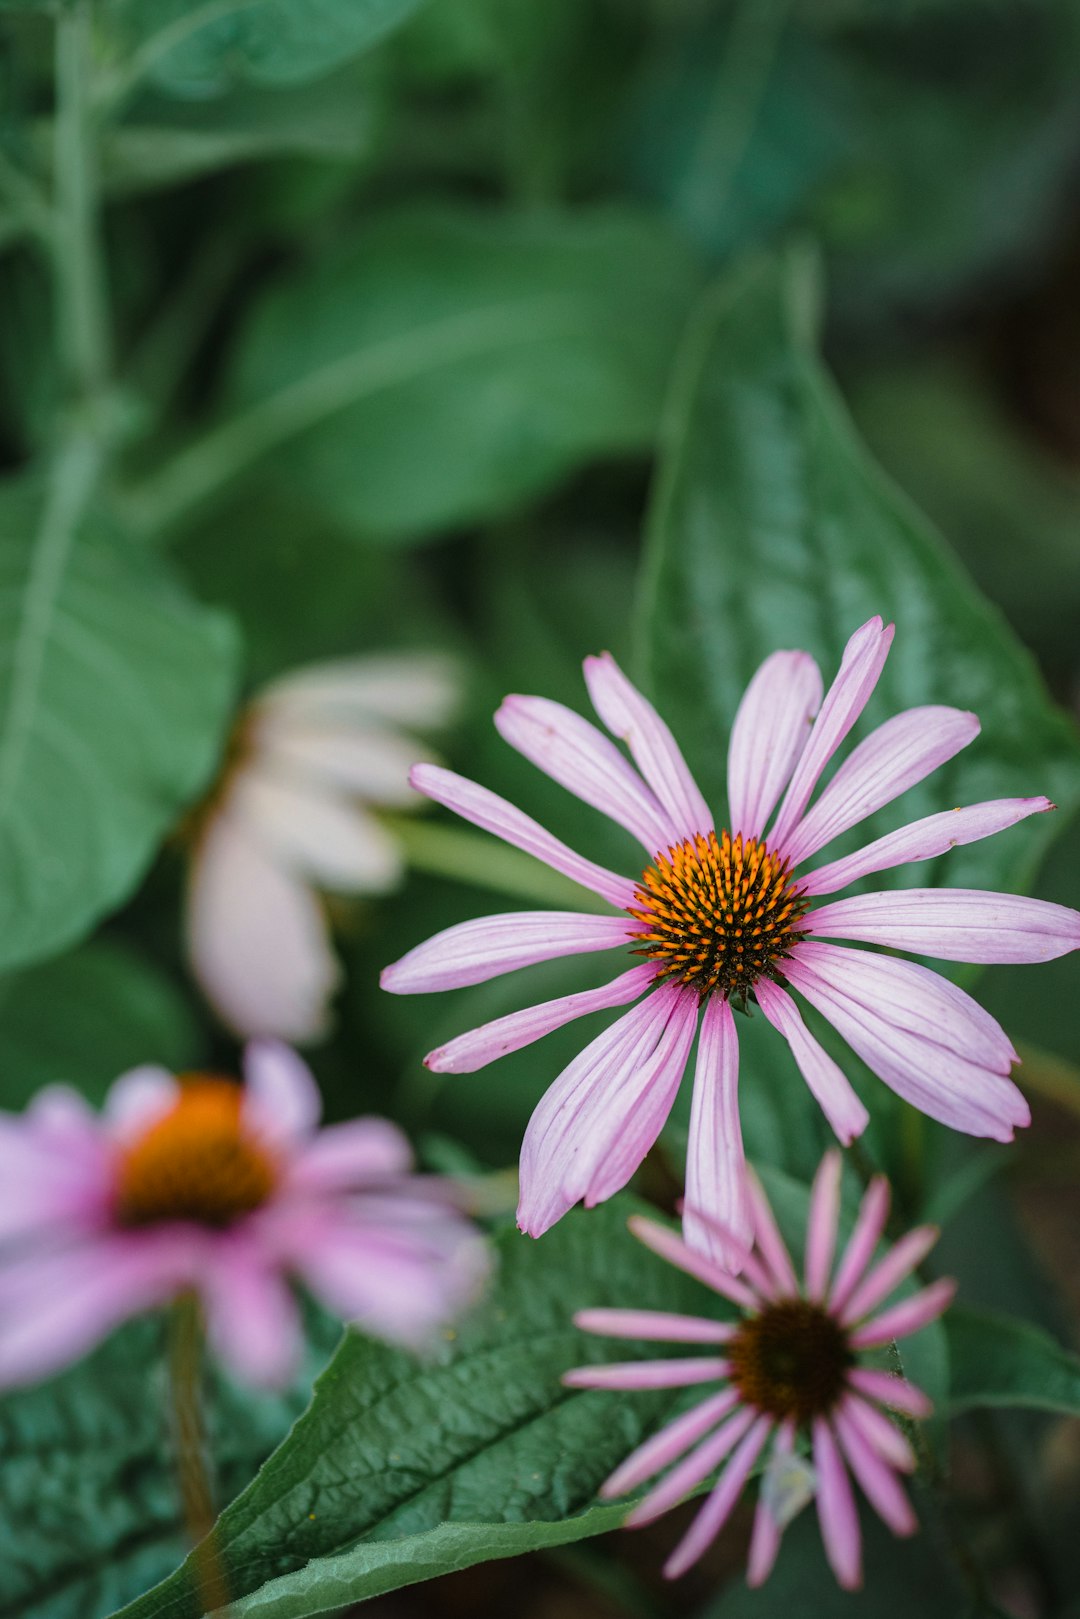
790,1366
197,1185
726,916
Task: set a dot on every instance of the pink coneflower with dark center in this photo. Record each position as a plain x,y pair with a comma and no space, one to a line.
725,913
790,1370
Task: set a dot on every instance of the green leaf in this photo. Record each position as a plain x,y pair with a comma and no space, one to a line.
772,528
114,687
401,1471
997,1360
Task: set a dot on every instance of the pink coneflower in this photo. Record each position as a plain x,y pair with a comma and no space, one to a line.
196,1185
723,918
790,1366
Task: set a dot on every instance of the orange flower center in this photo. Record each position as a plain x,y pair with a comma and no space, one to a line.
791,1360
195,1162
718,913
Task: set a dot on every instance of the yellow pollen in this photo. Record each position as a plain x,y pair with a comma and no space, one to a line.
792,1360
718,913
196,1162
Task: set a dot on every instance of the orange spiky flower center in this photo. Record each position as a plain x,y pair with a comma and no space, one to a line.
792,1360
196,1162
718,913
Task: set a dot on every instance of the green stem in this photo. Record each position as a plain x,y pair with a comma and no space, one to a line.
185,1383
77,250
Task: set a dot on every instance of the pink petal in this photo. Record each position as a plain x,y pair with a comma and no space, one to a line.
873,1213
634,721
829,1085
671,1247
881,1434
715,1163
862,663
766,1534
718,1508
685,1478
887,1275
139,1097
892,758
911,1315
415,688
347,1156
821,1229
654,1324
648,1374
836,1509
878,1482
771,1245
891,1390
594,1125
478,1047
308,830
579,757
664,1447
369,764
923,840
772,726
252,1322
954,924
281,1098
494,814
473,952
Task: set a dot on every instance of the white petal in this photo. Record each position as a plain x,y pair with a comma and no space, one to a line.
316,835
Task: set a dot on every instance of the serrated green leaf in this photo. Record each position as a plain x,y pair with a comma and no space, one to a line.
1000,1361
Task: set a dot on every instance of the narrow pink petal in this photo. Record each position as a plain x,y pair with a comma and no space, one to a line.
891,1390
344,1157
821,1229
628,715
468,1052
887,1275
252,1321
685,1478
892,758
314,833
281,1098
348,756
771,1245
411,688
654,1324
772,726
836,1509
767,1531
860,668
718,1508
878,1482
923,840
873,1213
648,1374
829,1085
954,924
595,1124
667,1445
880,1433
473,952
494,814
139,1097
906,1317
579,757
671,1247
715,1162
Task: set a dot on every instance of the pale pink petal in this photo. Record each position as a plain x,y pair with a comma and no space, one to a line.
648,1374
252,1322
478,1047
473,952
954,924
878,1482
257,940
494,814
891,1390
836,1509
772,726
899,753
909,1316
822,1226
881,1434
667,1445
873,1213
670,1246
829,1085
715,1163
719,1505
901,1259
628,715
766,1533
860,668
771,1245
690,1472
310,831
654,1324
923,840
369,764
594,1125
415,688
57,1172
281,1098
343,1157
62,1112
579,757
139,1097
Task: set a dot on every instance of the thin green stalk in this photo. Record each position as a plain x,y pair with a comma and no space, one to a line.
189,1438
77,249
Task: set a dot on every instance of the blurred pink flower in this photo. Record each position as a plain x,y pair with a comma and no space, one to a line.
198,1185
291,816
790,1366
721,918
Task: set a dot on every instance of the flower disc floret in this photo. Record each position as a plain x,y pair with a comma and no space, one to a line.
791,1360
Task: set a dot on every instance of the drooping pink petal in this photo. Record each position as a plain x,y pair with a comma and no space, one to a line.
367,763
350,1155
771,1245
899,753
478,1047
678,1373
252,1322
670,1246
821,1230
281,1099
891,1390
628,715
661,1325
767,1531
495,815
878,1482
413,688
881,1434
686,1477
715,1162
315,834
829,1085
865,1236
923,840
473,952
667,1445
860,668
594,1125
772,726
582,759
719,1505
909,1316
954,924
139,1097
901,1259
836,1509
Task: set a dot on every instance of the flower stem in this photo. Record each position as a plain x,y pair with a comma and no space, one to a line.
77,252
189,1438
